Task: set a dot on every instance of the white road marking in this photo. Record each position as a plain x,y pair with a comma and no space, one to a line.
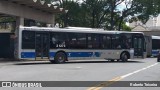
78,67
105,84
129,74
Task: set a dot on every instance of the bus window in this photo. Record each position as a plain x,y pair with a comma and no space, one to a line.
89,39
58,40
72,40
125,41
28,40
96,41
116,42
105,42
81,41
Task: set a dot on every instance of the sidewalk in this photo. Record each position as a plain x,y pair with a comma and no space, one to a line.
7,59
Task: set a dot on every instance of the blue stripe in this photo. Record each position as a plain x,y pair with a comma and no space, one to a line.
155,52
83,54
97,54
27,54
70,54
52,54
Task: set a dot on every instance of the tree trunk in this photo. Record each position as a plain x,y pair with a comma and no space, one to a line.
93,19
112,14
120,23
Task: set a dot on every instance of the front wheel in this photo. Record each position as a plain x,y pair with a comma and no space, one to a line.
124,57
60,57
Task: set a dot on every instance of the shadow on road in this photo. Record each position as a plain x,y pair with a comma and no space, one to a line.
32,63
103,62
74,62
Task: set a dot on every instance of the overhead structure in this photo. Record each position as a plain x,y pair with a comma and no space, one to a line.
39,10
50,6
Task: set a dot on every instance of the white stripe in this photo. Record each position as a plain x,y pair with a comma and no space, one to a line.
129,74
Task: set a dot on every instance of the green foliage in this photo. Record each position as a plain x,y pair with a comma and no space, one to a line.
126,28
7,19
105,13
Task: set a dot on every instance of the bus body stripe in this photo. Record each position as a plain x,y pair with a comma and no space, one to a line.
80,54
155,52
52,54
28,54
69,54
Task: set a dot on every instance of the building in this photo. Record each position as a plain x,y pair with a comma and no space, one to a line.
152,22
152,27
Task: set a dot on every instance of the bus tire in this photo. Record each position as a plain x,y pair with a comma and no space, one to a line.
124,57
60,57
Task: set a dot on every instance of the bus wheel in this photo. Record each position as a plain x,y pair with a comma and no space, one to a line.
60,58
124,57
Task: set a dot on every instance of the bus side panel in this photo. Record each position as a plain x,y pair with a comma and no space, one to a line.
155,53
28,54
148,45
90,54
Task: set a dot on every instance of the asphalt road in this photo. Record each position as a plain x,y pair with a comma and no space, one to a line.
86,70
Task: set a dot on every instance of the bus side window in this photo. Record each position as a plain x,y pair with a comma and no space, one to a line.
125,41
81,41
89,38
116,42
57,40
28,40
96,41
72,40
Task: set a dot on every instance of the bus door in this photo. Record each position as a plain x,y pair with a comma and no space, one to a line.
138,44
42,46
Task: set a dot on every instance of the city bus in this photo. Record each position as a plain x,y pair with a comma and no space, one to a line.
153,45
59,45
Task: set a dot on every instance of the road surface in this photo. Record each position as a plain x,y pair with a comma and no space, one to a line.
87,70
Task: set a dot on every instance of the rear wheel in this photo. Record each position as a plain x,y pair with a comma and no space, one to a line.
124,57
60,57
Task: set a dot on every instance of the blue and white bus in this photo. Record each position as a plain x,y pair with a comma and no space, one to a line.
152,45
62,44
155,45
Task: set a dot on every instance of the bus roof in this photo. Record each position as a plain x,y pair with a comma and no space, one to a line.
155,37
74,29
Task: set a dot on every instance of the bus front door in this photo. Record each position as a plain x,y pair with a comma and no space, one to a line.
138,46
42,46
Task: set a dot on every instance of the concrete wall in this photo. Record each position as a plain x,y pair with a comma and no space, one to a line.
25,12
156,33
